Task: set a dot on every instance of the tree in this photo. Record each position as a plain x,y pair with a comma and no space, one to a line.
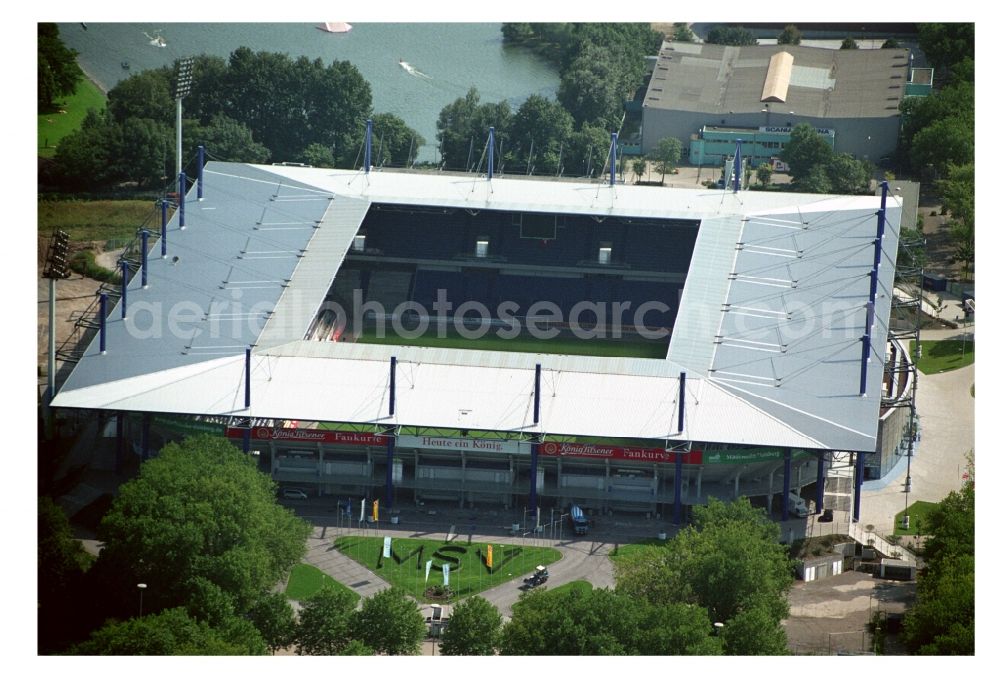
891,43
393,142
639,167
88,157
317,155
226,138
677,629
948,140
958,193
58,72
390,623
849,176
146,95
591,89
817,182
947,45
682,33
667,155
586,151
547,125
582,622
274,619
730,35
201,509
942,622
465,122
474,628
753,632
325,622
61,565
805,150
170,632
728,561
790,36
764,173
849,43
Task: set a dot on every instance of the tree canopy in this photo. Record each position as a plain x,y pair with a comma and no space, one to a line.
666,155
390,623
605,622
849,43
473,629
200,514
729,562
942,622
950,48
730,35
58,73
791,35
170,632
805,150
464,124
325,622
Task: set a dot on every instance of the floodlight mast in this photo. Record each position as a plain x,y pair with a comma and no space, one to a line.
185,78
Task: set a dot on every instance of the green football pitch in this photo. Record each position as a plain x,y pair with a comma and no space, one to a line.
570,345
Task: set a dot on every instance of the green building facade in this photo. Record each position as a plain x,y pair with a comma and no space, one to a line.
712,145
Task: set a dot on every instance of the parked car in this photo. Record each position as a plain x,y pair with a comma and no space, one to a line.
293,494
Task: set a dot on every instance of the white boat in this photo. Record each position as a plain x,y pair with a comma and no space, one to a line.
334,27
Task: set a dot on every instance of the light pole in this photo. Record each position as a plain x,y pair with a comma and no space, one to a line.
142,588
185,78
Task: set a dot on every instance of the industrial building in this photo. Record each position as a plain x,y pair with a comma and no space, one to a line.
709,95
771,377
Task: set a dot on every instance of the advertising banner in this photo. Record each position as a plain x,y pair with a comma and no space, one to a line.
375,511
633,453
386,547
489,556
464,444
310,436
427,569
445,569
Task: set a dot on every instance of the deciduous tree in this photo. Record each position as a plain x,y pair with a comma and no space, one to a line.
730,35
667,155
325,622
200,509
473,629
58,73
805,150
274,618
390,623
790,36
548,125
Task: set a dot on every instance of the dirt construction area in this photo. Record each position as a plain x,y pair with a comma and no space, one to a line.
829,616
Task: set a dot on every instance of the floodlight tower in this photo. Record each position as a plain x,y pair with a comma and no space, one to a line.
56,267
182,87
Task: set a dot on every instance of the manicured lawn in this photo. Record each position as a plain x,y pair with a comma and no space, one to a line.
944,355
582,586
918,510
625,551
648,349
306,580
468,572
89,220
52,127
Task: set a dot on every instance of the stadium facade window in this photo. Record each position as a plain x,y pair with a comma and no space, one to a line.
604,253
359,243
482,247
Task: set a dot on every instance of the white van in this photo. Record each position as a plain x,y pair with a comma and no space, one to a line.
797,506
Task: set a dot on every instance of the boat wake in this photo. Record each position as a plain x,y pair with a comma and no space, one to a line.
155,40
413,71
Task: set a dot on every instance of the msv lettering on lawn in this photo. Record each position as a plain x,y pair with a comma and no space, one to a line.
453,555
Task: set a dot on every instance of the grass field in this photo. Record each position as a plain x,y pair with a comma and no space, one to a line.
52,127
306,580
645,349
917,510
944,355
99,220
628,550
468,572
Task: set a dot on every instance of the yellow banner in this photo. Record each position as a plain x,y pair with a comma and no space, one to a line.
489,556
375,511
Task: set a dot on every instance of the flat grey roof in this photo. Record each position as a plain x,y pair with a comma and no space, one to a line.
831,83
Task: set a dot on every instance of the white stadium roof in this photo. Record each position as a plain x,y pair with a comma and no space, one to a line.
768,330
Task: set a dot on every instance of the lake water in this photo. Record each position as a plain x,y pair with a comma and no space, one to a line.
443,60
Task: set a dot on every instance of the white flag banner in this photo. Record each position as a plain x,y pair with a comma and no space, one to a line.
427,571
386,547
362,517
445,569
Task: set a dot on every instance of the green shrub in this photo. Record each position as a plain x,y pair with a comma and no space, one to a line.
84,263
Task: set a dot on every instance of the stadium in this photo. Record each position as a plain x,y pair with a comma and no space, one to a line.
508,342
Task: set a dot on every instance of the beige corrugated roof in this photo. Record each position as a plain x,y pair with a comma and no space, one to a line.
779,74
